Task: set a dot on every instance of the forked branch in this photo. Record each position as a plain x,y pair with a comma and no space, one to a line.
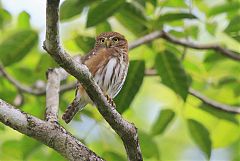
126,130
51,134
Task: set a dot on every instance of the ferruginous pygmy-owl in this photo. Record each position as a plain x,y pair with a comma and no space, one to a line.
108,63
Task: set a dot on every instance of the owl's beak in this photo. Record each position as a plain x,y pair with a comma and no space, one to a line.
108,43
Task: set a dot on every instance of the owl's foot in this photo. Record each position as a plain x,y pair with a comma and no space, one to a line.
110,100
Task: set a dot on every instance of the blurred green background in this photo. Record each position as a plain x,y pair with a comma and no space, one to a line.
173,125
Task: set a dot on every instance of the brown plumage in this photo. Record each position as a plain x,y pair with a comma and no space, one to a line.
108,63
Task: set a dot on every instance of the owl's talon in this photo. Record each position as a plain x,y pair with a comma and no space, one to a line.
110,100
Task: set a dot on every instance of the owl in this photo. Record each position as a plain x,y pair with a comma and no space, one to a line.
108,64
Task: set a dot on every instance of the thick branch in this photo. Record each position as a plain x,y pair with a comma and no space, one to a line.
53,135
164,35
124,129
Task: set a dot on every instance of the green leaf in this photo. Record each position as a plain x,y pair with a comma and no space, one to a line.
227,80
71,8
226,7
192,31
10,153
236,37
7,91
164,119
211,28
178,34
141,2
113,156
201,136
103,27
28,146
153,2
22,148
132,17
220,114
169,17
148,145
44,63
172,73
2,126
23,74
213,57
102,11
134,12
5,17
131,86
55,156
85,43
234,25
231,82
29,107
24,20
173,3
17,46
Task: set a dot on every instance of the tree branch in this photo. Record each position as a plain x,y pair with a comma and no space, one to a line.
212,103
164,35
52,95
195,93
143,40
54,76
67,145
37,91
126,130
204,99
53,135
18,85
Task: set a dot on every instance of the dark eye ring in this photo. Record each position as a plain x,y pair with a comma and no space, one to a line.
115,39
102,40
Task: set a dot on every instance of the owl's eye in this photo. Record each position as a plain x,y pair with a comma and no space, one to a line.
115,39
102,40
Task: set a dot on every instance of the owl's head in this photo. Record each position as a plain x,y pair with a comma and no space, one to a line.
110,40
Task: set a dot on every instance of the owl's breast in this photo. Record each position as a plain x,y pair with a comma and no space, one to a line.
111,77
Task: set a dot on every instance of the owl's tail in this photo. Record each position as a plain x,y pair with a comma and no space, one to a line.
73,108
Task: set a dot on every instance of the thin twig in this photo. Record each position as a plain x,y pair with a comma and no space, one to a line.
35,91
19,85
204,99
164,35
212,103
19,99
145,39
150,72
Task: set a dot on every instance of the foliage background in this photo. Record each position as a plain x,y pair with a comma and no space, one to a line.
173,125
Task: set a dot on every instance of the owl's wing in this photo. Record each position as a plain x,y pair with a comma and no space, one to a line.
96,59
87,56
93,60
